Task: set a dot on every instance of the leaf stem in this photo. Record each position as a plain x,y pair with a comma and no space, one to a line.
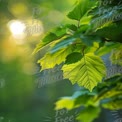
78,23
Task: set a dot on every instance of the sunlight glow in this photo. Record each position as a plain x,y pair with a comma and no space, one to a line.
17,29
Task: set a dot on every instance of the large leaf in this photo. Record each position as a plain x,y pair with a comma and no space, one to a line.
81,8
87,72
50,60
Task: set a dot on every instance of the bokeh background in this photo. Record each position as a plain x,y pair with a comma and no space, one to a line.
26,95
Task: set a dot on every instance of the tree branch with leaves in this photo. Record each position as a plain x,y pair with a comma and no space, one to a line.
80,48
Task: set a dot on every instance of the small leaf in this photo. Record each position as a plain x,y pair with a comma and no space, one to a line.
63,44
65,102
107,48
89,40
73,57
116,57
72,102
89,114
113,104
81,8
50,60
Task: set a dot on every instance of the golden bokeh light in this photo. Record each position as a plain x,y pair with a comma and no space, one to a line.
17,29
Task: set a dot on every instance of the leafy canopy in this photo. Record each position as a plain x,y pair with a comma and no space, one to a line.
80,48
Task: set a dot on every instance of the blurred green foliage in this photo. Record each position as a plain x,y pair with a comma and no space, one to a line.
20,98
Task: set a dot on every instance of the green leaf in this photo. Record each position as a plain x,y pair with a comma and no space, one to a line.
87,72
111,31
89,40
116,57
68,102
84,100
63,44
82,28
85,20
54,35
50,60
73,57
92,49
109,92
89,114
81,8
113,104
65,102
80,38
77,99
104,15
107,48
